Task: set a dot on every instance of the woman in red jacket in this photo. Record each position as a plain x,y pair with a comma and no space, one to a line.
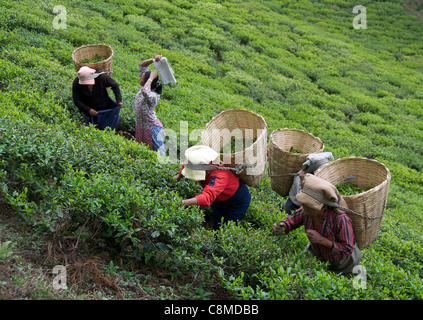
228,196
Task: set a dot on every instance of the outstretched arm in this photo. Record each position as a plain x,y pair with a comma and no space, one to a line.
279,229
147,62
290,223
190,202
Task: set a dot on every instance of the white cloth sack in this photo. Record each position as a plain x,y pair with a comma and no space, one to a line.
165,71
313,162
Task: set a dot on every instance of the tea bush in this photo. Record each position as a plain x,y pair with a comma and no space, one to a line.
60,179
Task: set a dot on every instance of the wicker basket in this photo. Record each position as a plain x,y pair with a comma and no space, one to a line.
88,52
284,164
363,173
251,129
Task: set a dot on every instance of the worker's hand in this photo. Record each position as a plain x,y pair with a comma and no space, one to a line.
278,229
313,235
158,57
93,113
316,237
120,104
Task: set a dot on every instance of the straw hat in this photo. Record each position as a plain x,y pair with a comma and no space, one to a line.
198,155
84,74
325,191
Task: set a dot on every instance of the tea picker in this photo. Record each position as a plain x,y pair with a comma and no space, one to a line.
328,228
89,92
90,87
227,195
148,128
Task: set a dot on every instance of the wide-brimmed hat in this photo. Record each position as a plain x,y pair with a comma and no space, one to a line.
317,192
198,155
85,75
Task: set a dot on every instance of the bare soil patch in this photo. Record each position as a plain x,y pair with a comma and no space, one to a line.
87,267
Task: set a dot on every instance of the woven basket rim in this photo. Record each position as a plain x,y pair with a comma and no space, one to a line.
245,111
364,193
102,65
222,113
274,132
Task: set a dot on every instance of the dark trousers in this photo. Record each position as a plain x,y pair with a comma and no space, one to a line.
290,207
107,117
232,209
345,265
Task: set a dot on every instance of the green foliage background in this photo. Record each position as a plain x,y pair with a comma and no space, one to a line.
299,64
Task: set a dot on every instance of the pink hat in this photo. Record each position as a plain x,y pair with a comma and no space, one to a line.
85,75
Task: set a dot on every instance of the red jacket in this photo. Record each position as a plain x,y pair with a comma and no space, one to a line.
335,227
219,185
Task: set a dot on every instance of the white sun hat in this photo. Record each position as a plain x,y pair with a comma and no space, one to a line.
198,154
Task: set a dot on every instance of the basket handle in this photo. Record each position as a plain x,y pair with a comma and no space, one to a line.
90,76
238,169
320,197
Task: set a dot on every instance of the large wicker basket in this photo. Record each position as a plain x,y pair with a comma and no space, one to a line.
370,205
283,162
91,50
251,129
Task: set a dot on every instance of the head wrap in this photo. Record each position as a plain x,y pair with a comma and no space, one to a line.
87,75
317,192
198,155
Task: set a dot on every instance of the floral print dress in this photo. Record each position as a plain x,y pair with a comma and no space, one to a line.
145,114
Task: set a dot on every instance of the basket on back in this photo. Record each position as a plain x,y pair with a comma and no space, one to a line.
288,150
240,136
89,52
369,205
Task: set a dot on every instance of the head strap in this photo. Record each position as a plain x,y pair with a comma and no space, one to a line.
89,76
320,197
